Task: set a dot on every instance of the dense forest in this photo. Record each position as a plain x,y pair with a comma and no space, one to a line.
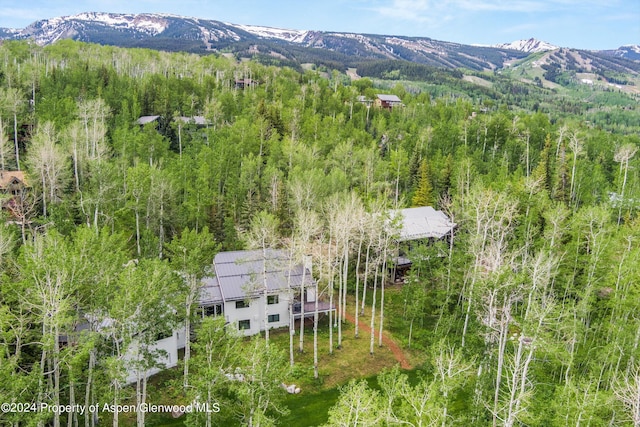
529,315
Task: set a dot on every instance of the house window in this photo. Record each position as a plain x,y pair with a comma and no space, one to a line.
244,324
212,310
274,318
242,304
272,299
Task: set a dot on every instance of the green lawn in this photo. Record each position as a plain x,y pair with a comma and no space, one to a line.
312,409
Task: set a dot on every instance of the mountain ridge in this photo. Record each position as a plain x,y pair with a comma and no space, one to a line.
198,35
531,45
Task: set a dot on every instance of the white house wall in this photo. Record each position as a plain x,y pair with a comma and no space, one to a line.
168,359
255,313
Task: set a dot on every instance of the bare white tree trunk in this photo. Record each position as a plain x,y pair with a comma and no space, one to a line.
89,416
575,145
366,276
627,391
373,310
622,156
357,305
193,286
302,300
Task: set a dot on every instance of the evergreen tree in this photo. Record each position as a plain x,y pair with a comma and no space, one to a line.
423,194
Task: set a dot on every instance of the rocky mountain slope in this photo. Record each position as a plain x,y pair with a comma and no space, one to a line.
529,46
339,50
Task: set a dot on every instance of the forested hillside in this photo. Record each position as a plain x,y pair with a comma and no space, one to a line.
531,316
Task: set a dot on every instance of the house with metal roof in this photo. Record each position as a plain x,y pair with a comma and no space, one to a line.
387,101
237,291
422,223
146,119
197,120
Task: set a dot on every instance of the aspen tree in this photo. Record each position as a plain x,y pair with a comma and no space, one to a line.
389,233
11,101
331,269
576,147
48,267
593,233
450,372
6,244
191,254
145,305
48,162
93,114
358,405
322,269
377,262
373,227
519,392
260,394
262,235
217,354
627,391
73,135
360,221
623,155
345,210
412,405
307,226
490,217
292,250
415,296
7,155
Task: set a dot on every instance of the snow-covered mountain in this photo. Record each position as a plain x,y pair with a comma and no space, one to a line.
287,46
292,36
528,46
48,31
171,32
630,51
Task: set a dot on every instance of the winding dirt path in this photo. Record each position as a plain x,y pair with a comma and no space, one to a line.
386,340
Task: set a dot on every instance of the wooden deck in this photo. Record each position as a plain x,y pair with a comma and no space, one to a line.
310,307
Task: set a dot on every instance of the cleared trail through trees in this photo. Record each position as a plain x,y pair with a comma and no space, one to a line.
386,340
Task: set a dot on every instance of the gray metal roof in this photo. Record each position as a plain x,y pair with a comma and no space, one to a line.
147,119
422,223
210,292
239,275
388,98
199,120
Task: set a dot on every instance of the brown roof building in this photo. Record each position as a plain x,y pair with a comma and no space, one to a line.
12,181
387,101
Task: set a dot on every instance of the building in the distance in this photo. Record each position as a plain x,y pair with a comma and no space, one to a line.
387,101
12,182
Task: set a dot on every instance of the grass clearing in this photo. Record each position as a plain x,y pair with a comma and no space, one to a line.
312,409
353,360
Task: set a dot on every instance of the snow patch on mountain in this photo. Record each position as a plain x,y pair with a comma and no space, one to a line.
529,46
147,23
629,51
11,31
48,31
292,36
